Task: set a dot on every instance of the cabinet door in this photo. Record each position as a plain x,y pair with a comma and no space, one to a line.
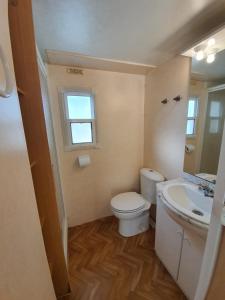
168,241
190,263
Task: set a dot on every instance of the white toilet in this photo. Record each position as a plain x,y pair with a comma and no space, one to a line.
132,209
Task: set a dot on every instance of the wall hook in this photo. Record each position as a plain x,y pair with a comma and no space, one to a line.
164,101
177,98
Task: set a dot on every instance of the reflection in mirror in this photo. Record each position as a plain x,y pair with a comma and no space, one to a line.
205,117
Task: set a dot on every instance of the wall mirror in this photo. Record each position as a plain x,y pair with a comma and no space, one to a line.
206,110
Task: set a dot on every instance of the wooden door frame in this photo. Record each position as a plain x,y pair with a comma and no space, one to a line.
29,90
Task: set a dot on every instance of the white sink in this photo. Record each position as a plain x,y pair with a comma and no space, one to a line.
188,205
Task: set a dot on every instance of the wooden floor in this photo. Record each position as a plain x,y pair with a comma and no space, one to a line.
105,266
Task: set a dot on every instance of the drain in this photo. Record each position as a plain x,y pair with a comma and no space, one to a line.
197,212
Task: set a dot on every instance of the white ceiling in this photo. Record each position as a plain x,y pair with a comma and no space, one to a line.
141,31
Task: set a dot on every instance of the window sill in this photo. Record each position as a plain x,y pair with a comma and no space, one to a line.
191,136
81,147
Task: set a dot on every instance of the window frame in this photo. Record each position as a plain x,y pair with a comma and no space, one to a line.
218,118
195,117
68,141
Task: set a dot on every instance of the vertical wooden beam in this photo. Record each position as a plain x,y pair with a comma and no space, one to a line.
27,77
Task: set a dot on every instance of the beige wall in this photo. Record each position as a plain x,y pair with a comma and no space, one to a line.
24,269
165,123
120,123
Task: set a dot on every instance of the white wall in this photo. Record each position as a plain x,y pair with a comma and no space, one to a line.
165,123
120,123
24,268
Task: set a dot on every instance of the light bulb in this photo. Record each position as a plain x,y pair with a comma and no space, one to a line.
210,58
211,42
199,55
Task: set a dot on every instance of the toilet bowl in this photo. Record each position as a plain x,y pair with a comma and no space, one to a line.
132,209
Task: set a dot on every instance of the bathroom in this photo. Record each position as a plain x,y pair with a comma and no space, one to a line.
125,159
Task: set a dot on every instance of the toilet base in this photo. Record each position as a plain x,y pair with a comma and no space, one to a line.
134,226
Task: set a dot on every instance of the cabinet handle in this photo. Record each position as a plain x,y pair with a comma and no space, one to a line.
8,83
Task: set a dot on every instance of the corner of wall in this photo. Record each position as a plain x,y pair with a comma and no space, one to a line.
165,123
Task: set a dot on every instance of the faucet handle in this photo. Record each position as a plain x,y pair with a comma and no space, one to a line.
209,192
202,187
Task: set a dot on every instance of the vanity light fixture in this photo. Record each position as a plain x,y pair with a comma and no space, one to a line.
206,51
210,58
199,55
211,42
199,52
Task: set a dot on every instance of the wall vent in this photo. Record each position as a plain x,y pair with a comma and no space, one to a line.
74,71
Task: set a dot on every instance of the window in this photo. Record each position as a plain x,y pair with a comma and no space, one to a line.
215,113
79,118
192,116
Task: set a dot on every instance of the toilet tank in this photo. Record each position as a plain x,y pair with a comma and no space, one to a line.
149,179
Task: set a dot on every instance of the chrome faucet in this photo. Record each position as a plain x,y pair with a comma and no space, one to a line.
208,191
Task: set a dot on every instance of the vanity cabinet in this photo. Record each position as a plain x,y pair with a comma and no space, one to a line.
168,240
180,250
190,263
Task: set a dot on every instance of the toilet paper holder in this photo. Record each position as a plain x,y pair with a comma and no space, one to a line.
84,160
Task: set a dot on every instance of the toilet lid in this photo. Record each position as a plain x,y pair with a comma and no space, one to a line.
152,175
128,202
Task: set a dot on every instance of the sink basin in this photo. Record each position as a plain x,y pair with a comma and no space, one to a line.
186,203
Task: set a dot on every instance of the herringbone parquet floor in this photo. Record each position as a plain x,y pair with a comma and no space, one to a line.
105,266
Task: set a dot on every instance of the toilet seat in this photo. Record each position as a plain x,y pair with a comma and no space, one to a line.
128,202
133,209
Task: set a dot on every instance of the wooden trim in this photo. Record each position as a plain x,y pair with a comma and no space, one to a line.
217,286
27,77
65,297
